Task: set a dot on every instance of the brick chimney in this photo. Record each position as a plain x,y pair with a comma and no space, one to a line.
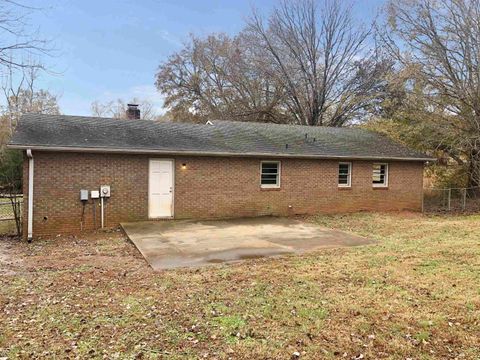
133,112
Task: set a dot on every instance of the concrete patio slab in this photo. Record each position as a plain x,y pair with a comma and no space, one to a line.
186,243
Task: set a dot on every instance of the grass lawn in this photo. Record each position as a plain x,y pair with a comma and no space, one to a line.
415,294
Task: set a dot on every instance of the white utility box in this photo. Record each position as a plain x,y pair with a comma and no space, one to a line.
105,191
94,194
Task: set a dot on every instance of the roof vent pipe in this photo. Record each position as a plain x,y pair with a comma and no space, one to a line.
133,112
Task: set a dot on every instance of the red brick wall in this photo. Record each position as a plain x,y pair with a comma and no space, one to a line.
209,187
59,177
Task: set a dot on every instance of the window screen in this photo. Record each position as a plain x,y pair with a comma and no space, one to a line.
380,174
270,174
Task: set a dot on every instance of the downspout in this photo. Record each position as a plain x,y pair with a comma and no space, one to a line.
30,195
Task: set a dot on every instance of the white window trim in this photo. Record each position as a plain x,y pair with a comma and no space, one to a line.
386,176
349,181
271,186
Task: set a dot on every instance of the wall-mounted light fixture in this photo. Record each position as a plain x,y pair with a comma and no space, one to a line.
184,166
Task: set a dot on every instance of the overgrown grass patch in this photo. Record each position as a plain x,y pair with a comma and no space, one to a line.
414,294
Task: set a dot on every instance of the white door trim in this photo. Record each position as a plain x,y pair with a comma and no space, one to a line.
172,161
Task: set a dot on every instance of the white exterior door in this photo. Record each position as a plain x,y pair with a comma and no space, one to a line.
160,188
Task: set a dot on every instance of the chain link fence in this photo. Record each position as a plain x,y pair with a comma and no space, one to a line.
11,214
451,199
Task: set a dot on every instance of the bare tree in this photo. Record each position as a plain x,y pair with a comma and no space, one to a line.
118,109
18,40
306,65
21,95
437,45
319,55
21,49
19,44
219,77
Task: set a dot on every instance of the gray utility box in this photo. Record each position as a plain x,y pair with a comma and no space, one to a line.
84,195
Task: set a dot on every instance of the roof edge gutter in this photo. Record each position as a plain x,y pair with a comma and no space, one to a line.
207,153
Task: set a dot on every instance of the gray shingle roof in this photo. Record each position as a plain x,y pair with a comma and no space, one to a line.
79,133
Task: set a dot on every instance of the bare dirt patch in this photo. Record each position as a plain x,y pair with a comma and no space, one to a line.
10,261
102,250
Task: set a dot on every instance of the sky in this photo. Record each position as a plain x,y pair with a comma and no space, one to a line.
110,49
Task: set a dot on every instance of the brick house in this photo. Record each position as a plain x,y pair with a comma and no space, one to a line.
222,169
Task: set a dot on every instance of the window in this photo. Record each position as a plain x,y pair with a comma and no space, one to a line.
344,174
270,174
380,175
